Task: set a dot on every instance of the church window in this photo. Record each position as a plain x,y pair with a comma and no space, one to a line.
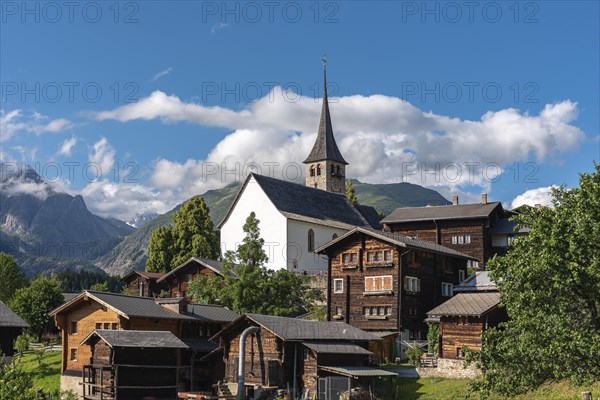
337,170
318,169
311,240
332,169
312,171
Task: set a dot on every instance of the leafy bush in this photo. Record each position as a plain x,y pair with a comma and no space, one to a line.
414,355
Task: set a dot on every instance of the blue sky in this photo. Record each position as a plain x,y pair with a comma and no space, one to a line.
187,87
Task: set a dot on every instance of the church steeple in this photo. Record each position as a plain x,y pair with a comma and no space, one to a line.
325,166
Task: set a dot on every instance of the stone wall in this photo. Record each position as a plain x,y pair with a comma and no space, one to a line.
72,383
451,369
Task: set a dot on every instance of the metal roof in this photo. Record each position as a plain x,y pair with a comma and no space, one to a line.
337,348
127,306
8,318
396,239
214,265
467,305
212,312
357,372
325,147
137,339
303,203
301,329
504,226
457,211
477,282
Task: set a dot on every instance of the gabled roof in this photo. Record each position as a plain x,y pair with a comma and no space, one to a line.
69,296
504,226
126,306
137,339
303,203
212,312
458,211
395,239
214,265
357,372
325,147
337,348
301,330
467,305
144,274
477,282
9,319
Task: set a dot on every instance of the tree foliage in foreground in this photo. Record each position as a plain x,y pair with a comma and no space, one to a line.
192,235
16,384
34,302
11,277
550,286
248,287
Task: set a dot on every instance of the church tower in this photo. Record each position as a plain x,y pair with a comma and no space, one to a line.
325,166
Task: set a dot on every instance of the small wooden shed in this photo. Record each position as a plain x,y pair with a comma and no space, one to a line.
132,364
11,326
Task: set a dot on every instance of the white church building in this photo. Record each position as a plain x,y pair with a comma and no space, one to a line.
296,219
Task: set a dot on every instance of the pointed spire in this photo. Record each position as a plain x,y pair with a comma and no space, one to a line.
325,147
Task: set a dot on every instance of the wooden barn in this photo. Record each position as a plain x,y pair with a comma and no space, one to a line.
143,283
132,364
384,283
177,280
289,353
11,326
474,308
194,324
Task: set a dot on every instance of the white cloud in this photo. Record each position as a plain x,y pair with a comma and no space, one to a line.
102,156
534,196
162,73
67,146
218,26
16,121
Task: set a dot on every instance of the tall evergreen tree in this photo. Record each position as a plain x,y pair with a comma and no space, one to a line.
350,192
192,235
11,277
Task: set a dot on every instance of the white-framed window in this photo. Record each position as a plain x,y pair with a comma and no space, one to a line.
509,239
412,284
338,310
375,311
189,277
338,285
73,354
349,258
447,289
378,283
461,275
461,239
473,264
387,256
467,239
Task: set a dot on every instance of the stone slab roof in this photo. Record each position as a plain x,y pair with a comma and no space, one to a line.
459,211
10,319
467,305
137,339
337,348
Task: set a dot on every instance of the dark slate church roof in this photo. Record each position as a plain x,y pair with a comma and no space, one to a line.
325,147
458,211
313,205
8,318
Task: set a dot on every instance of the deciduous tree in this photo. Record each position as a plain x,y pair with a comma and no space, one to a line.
11,277
550,286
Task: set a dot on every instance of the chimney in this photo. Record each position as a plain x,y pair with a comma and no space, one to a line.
455,200
484,198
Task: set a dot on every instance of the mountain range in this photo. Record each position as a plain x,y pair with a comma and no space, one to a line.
43,229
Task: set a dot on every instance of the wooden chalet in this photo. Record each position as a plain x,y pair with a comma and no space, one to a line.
11,326
474,308
91,311
467,228
384,282
290,353
143,283
132,364
178,279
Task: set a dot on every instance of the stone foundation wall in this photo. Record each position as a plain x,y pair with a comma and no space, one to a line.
450,369
72,383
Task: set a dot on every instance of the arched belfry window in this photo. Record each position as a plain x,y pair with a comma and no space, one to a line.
337,170
335,236
312,171
318,169
332,169
311,240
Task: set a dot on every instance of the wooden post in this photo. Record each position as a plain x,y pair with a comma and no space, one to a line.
586,396
101,383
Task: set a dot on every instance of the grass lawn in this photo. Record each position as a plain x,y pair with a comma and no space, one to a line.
453,389
47,377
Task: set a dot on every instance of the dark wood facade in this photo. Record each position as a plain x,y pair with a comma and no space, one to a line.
390,294
11,326
177,280
143,283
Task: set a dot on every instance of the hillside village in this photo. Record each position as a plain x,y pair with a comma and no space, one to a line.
412,285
